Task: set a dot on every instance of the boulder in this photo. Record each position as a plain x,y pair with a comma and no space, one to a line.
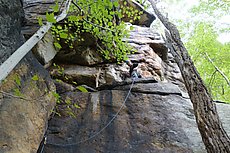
45,50
10,21
155,118
26,98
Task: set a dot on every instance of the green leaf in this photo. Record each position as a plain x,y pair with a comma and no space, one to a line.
116,4
57,45
82,89
40,21
18,80
35,77
59,27
18,93
131,28
76,105
110,23
50,17
63,35
68,101
57,97
55,7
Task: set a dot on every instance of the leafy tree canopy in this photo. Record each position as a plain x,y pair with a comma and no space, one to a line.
201,27
208,55
201,33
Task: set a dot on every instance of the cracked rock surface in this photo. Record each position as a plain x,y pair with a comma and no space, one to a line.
156,117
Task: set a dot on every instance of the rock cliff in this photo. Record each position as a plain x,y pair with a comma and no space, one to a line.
152,115
157,116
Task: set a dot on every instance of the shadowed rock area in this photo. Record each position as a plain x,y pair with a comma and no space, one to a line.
154,119
26,98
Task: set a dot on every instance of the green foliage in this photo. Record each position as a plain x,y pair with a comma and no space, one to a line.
17,92
69,106
211,7
213,10
17,80
144,3
60,69
200,31
203,44
98,18
130,12
50,17
57,97
82,89
35,77
40,21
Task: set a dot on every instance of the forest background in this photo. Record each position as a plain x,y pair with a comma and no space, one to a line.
205,29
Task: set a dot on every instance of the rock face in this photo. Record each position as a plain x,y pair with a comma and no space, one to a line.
150,62
155,118
223,111
26,98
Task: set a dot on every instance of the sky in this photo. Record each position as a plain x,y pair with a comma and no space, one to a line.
225,37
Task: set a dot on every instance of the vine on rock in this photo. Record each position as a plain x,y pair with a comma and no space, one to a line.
101,20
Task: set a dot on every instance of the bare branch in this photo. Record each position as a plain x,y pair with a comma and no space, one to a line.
221,73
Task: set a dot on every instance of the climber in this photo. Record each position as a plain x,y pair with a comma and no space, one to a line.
133,69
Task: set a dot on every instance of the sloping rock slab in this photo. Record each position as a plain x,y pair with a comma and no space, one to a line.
148,123
224,113
26,103
153,88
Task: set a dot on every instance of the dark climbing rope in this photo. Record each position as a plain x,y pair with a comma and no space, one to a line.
134,77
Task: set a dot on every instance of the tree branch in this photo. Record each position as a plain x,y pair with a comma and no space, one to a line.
221,73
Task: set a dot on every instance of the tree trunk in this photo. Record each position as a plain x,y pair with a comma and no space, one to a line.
214,136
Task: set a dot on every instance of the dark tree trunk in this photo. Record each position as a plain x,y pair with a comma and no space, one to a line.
214,136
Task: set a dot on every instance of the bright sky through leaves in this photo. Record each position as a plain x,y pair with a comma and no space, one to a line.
179,10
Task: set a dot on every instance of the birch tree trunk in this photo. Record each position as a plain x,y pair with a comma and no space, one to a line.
213,135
